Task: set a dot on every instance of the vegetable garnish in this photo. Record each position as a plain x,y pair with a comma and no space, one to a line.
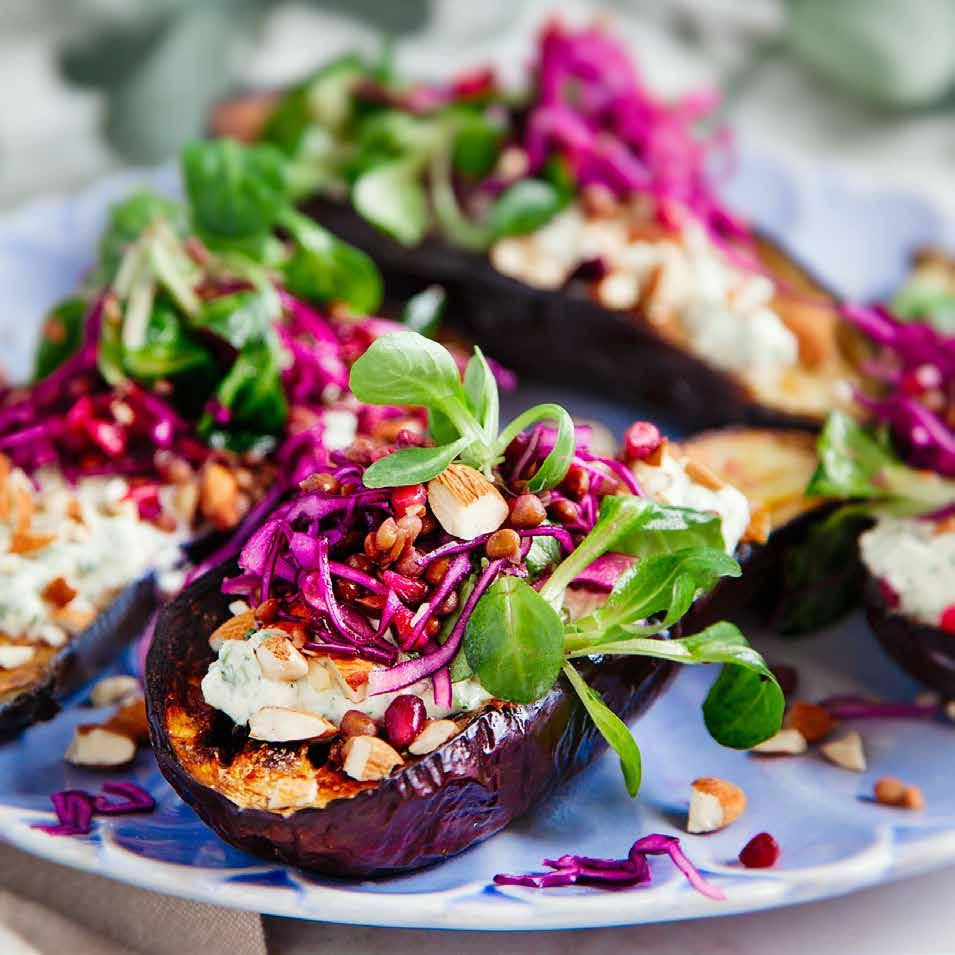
916,368
861,466
75,808
451,562
199,333
414,158
634,870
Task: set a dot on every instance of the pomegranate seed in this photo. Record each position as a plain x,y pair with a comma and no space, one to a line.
640,440
409,498
948,619
760,852
404,719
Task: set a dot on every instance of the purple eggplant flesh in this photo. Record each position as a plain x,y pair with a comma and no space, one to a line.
78,662
922,650
505,759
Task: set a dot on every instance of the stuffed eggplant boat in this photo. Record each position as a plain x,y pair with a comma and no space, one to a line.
176,398
580,212
901,476
427,638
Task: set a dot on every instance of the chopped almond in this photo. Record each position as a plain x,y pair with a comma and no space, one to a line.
759,526
811,720
219,496
847,752
99,747
701,474
58,592
368,758
435,733
235,628
130,719
655,457
351,675
279,660
22,507
292,792
5,471
787,742
112,690
280,724
890,791
714,804
74,510
75,616
23,542
465,503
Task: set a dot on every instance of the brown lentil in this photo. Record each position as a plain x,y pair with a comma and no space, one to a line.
449,605
433,627
411,525
387,535
527,510
326,483
356,723
435,571
576,482
503,543
563,511
266,611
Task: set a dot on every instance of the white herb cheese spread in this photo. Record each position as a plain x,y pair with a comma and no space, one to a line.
916,561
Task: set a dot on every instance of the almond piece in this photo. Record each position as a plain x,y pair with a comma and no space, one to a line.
465,503
235,628
58,592
759,527
787,742
112,690
76,616
350,674
5,470
701,474
280,724
98,747
434,734
23,542
293,792
130,720
279,660
846,751
219,496
319,679
368,758
714,804
811,720
15,655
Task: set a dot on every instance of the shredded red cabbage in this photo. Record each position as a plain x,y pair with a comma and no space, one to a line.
853,707
634,870
916,367
75,808
592,109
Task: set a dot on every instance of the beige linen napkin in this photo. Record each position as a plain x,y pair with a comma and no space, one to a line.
46,909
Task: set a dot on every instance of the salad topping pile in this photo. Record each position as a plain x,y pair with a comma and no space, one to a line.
415,580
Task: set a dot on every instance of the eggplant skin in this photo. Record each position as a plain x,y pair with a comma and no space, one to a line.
503,762
563,335
81,659
923,651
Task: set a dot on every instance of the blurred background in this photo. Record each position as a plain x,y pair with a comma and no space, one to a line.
92,86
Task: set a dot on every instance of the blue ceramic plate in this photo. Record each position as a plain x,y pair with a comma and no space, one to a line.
833,838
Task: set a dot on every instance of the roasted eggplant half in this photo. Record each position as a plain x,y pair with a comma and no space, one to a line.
772,468
286,803
910,595
435,636
33,691
552,220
